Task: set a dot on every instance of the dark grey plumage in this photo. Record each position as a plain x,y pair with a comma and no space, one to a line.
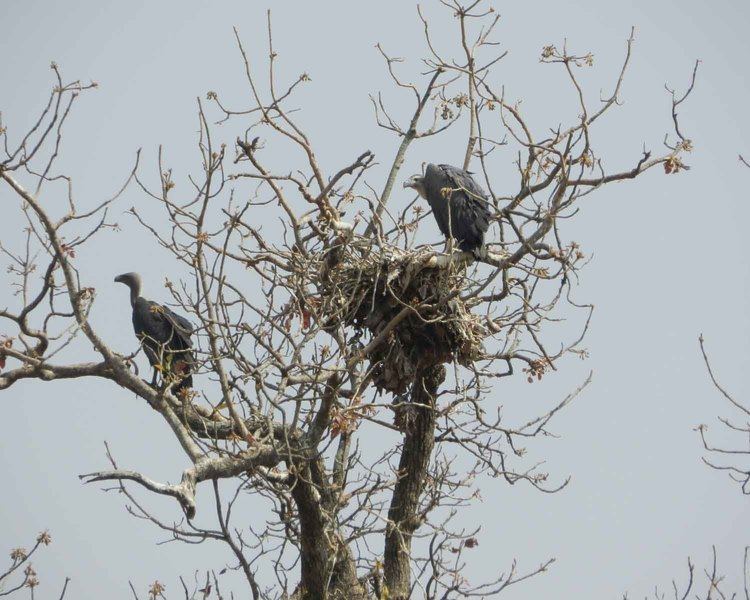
458,203
164,334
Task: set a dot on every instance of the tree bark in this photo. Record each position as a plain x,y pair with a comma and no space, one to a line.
418,421
327,567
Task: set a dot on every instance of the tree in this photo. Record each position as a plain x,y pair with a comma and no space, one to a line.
737,472
710,582
336,321
20,574
704,585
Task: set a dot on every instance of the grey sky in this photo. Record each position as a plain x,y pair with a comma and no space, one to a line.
669,262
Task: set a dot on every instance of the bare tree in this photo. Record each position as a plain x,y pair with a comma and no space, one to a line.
706,584
334,326
21,576
731,458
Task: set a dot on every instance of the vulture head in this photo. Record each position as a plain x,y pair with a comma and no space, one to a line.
416,182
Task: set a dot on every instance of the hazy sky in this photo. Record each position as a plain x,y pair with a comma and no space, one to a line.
669,262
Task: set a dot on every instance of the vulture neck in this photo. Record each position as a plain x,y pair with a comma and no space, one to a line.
135,291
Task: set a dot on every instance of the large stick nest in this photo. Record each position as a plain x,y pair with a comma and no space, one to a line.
370,286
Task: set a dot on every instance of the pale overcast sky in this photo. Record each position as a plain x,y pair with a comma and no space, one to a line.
669,261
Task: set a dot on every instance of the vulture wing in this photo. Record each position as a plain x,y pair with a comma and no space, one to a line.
181,327
463,179
184,359
159,328
435,180
468,208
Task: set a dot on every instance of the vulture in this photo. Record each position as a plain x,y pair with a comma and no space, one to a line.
164,335
458,203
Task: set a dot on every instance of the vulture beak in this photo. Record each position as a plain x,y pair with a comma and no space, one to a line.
118,279
411,182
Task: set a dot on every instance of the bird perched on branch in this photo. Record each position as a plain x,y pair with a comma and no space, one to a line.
458,203
164,335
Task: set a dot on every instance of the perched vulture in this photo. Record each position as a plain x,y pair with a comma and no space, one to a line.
458,204
164,335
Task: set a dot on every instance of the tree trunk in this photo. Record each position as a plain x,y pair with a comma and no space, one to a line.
418,421
327,568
